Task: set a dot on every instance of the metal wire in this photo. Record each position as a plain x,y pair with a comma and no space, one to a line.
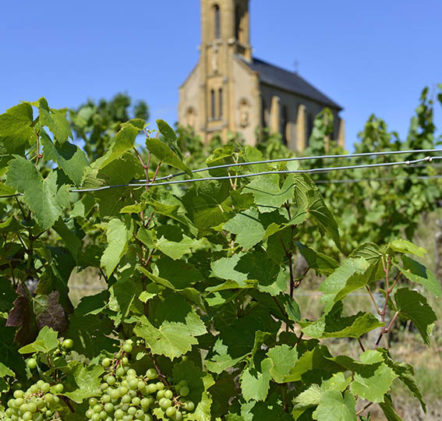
427,159
301,158
360,180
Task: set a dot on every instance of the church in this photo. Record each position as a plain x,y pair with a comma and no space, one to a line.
229,90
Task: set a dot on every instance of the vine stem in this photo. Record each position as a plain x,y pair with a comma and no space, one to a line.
157,367
387,329
373,301
364,409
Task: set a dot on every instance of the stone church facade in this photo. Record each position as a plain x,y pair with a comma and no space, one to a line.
231,91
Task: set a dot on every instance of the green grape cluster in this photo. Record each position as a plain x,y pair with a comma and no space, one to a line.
39,403
125,395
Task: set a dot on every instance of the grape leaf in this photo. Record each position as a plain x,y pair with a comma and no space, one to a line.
248,228
283,359
15,127
85,382
418,273
350,276
335,407
46,341
255,384
70,158
413,306
171,339
123,142
41,196
372,382
165,154
404,246
118,236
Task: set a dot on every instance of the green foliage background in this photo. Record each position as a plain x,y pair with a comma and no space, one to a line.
203,276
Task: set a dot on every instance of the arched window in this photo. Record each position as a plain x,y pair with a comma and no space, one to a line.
217,21
309,127
213,104
237,23
220,103
263,113
284,123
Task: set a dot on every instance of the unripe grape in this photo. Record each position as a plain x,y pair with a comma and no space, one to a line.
58,388
170,412
184,391
151,389
67,344
27,416
118,414
125,361
93,402
189,406
151,374
136,401
18,394
127,347
106,362
31,363
160,394
131,372
159,385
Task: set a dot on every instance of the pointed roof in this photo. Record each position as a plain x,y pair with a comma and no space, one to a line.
289,81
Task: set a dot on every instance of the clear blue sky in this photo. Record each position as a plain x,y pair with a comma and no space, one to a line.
369,56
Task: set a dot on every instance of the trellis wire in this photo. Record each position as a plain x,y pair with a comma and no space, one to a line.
427,160
301,158
360,180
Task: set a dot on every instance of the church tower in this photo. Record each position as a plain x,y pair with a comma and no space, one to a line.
225,31
229,91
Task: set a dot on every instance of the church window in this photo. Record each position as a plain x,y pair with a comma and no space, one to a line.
220,103
213,104
309,127
237,23
217,16
284,124
263,113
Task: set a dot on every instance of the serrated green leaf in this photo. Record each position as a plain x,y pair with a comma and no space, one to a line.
350,276
413,306
373,381
406,376
404,246
165,154
15,127
167,131
55,120
118,236
45,342
176,250
283,359
388,409
267,191
333,325
418,273
319,261
5,371
255,384
308,398
171,339
85,382
123,142
335,407
43,197
247,227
